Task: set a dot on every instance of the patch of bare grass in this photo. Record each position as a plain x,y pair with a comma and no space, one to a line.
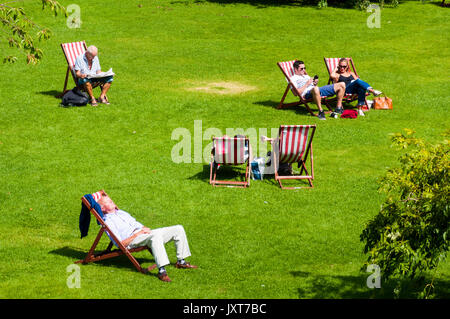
222,88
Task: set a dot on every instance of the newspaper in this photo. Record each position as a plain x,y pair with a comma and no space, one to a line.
101,74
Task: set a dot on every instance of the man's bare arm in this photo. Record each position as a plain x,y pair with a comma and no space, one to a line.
80,75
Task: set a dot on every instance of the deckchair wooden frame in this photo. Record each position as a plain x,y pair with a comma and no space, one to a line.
70,69
347,97
109,252
308,152
291,87
213,169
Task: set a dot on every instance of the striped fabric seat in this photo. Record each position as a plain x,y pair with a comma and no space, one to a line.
230,150
292,143
288,68
331,64
97,195
72,51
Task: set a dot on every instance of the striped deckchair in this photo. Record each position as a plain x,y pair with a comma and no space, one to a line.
230,151
294,145
287,68
71,51
92,256
331,64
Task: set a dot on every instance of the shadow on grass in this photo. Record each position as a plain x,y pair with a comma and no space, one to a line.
116,262
225,172
355,287
203,175
256,3
299,109
56,94
278,3
439,4
234,173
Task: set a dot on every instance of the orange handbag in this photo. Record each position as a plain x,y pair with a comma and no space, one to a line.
382,103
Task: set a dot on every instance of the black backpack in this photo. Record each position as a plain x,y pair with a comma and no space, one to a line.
75,97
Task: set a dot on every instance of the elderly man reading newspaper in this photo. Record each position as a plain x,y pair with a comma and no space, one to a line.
89,74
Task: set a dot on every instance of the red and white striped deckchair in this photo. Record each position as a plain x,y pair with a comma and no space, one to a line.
294,145
287,68
71,51
92,256
331,64
230,151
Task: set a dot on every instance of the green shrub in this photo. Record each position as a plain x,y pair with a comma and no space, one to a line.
410,234
359,4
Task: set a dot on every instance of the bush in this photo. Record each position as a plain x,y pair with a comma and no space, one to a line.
359,4
411,232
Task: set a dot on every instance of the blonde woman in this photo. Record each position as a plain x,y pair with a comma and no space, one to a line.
353,84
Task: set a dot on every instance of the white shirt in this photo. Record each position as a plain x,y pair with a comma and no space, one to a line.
300,80
82,64
122,224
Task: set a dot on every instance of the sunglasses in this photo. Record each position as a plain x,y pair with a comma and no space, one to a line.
343,66
302,68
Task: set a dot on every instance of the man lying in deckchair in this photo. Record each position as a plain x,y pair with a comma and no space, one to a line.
307,88
88,64
133,234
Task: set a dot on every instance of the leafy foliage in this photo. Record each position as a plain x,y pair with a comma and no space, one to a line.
359,4
411,233
22,33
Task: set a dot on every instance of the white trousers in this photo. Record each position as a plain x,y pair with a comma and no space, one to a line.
160,236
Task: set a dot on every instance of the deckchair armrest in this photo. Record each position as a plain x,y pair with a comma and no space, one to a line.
267,139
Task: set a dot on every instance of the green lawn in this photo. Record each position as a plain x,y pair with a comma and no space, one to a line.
259,242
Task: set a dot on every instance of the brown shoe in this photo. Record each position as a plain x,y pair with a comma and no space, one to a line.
185,265
163,276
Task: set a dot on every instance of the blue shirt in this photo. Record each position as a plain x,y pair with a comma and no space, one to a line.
82,65
122,224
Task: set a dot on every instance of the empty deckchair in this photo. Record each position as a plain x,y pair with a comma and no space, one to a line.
294,145
230,151
89,202
331,64
287,68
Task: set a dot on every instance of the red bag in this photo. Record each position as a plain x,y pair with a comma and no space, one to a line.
349,114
